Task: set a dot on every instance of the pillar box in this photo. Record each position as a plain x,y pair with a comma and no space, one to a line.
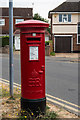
32,42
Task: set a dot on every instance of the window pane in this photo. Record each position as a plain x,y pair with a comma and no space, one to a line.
19,20
69,17
64,15
2,22
64,19
78,39
60,17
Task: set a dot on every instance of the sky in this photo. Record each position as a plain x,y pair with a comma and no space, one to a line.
39,6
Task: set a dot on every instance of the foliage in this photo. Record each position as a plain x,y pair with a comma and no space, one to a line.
30,115
5,92
50,41
49,29
52,53
46,43
4,41
19,114
38,17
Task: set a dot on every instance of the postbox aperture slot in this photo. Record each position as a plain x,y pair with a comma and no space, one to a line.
33,39
33,53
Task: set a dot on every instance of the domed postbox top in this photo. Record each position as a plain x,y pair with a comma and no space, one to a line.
32,23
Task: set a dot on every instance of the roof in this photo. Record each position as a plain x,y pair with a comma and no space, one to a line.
32,23
22,12
67,7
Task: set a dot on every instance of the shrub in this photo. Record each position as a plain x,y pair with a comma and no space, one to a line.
46,43
50,41
4,41
52,53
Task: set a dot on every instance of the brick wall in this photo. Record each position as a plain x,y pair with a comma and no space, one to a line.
76,47
5,29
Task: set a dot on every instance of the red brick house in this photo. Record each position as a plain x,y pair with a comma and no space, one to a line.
65,27
20,14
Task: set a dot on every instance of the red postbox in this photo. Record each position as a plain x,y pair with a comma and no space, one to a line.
32,41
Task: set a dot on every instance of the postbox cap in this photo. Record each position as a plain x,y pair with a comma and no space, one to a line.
32,23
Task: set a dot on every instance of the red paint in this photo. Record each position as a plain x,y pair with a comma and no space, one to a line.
32,71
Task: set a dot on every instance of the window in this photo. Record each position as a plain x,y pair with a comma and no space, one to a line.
69,17
60,17
64,17
19,20
2,22
78,35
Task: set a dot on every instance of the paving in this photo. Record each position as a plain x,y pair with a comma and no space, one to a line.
68,55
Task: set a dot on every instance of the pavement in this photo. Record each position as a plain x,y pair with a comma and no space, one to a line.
68,55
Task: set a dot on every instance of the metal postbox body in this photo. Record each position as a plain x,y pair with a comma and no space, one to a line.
32,42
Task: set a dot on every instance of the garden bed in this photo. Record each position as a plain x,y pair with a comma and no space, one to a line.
10,108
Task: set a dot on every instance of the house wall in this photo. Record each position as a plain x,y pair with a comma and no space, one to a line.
64,29
5,29
67,27
76,47
75,18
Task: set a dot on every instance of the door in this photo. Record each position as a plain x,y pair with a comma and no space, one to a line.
63,44
17,42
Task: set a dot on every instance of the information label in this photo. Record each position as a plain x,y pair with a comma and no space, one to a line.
33,53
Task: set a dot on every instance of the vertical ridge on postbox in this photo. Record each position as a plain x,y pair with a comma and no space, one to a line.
33,64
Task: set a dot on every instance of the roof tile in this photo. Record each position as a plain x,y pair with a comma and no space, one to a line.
67,7
25,12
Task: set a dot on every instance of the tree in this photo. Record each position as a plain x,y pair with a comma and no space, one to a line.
38,17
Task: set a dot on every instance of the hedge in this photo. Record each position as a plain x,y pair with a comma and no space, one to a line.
4,41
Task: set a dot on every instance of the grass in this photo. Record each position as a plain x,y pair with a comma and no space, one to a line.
49,115
5,93
21,114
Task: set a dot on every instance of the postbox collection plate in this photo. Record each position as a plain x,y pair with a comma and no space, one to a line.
33,52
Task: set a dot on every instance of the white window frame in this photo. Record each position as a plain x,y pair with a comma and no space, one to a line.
65,17
2,20
78,34
16,20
